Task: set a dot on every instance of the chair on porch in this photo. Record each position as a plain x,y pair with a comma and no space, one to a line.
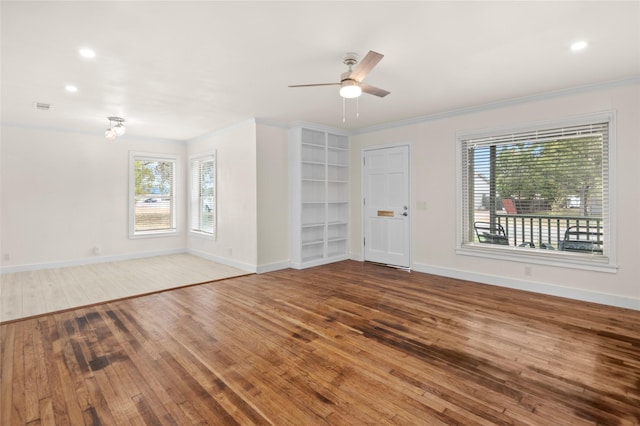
491,233
582,239
494,233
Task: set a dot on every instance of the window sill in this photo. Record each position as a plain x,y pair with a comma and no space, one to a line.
203,235
153,234
597,263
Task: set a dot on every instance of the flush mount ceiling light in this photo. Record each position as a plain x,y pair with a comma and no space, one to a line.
114,131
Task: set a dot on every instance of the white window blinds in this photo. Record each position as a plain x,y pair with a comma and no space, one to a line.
203,195
539,187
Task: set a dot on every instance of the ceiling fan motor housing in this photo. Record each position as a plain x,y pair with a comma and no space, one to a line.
345,76
350,59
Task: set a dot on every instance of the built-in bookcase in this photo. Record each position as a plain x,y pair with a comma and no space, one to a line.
319,196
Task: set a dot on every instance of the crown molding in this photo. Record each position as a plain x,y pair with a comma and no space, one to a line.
634,80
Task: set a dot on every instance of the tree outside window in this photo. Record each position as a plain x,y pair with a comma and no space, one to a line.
539,189
153,195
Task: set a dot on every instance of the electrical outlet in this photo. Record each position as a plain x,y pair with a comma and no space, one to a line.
96,250
6,256
528,271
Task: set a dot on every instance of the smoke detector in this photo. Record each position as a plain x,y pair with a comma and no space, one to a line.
42,106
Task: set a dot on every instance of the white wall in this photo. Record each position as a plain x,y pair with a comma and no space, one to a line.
434,183
273,197
236,243
65,193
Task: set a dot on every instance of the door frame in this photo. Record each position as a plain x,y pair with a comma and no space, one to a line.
363,150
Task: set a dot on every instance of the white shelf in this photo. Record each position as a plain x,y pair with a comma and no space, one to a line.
312,225
319,196
335,141
333,240
313,144
309,259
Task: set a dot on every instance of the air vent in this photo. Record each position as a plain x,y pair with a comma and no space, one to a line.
42,106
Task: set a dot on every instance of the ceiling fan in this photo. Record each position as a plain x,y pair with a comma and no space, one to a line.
351,85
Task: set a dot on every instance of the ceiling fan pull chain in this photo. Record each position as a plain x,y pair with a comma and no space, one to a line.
343,110
357,107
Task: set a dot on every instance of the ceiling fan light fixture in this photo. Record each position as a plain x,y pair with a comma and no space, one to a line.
350,89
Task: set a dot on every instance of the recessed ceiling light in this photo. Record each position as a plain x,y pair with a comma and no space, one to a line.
87,53
579,45
70,88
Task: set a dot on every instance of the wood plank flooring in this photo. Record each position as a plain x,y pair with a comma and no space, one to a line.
32,293
347,344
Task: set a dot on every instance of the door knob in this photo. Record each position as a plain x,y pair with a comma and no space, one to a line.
404,214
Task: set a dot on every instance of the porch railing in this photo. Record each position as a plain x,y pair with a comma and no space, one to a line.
540,229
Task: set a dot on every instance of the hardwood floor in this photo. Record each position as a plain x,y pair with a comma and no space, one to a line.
349,343
32,293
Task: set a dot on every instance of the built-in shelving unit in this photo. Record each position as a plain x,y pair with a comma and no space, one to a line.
319,196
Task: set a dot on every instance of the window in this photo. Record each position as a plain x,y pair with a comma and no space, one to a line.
203,195
541,192
152,194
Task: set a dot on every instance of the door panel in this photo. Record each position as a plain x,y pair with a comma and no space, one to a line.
386,206
396,243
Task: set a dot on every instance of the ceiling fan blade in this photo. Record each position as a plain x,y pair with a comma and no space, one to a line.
317,84
372,90
366,65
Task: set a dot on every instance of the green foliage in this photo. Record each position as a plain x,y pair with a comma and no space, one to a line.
551,170
153,177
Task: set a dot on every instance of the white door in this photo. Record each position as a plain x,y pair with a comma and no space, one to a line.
387,214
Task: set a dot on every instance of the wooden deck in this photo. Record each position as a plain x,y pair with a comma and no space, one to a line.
349,343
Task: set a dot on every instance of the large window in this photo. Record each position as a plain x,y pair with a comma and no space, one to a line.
541,192
203,195
152,194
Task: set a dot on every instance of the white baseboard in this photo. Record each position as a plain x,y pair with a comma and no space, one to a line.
225,261
87,261
356,256
270,267
318,262
536,287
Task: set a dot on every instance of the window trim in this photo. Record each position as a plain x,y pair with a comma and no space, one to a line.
175,159
607,263
197,232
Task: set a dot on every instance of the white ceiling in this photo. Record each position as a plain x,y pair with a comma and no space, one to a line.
180,69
